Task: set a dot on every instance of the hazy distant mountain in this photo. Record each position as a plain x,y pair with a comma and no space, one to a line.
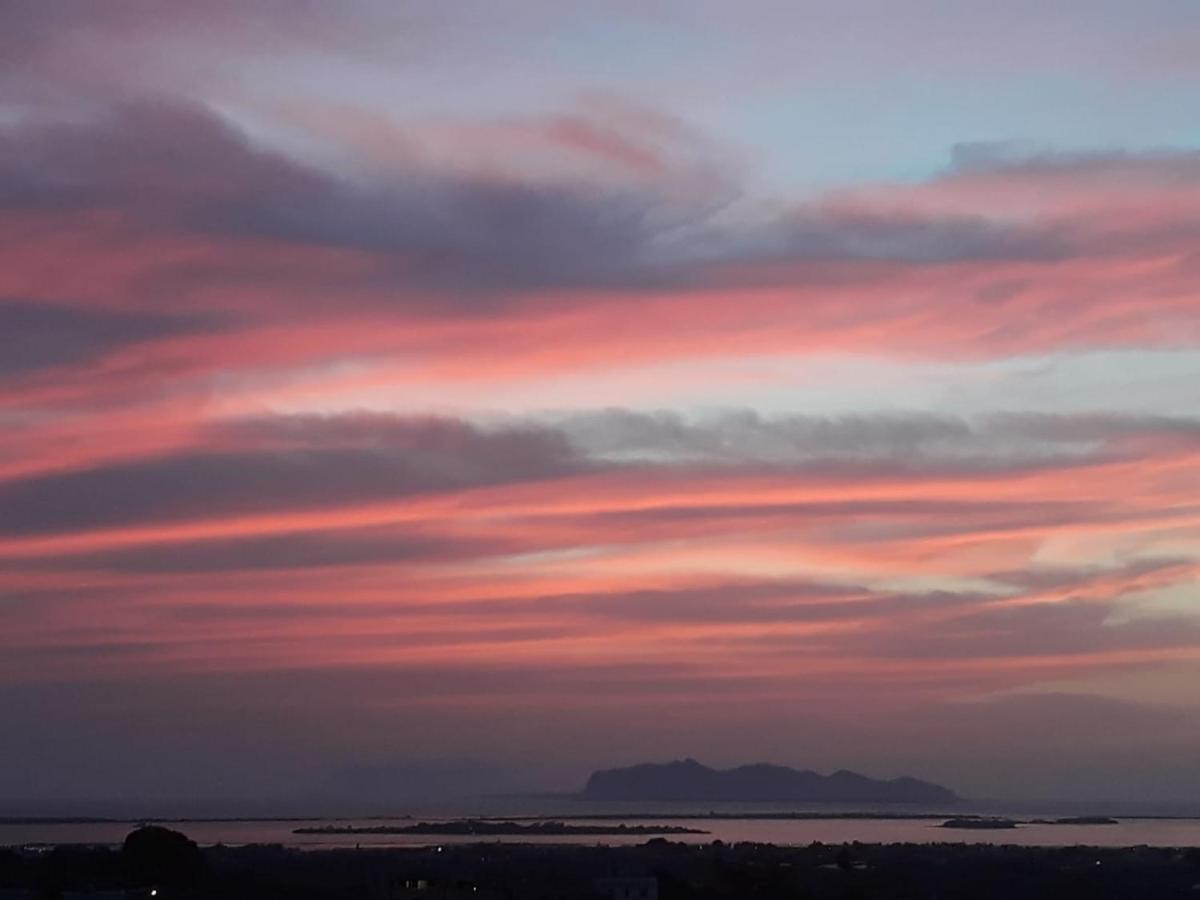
382,786
689,780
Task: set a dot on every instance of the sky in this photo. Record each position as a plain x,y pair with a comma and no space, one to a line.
418,393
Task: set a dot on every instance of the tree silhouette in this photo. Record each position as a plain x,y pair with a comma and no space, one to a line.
156,855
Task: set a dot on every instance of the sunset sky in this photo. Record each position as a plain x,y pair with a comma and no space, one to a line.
562,385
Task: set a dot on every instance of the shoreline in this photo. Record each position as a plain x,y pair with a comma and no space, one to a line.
750,816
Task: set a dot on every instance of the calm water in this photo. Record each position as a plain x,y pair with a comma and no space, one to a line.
1129,832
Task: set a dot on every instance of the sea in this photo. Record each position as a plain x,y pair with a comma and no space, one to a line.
731,823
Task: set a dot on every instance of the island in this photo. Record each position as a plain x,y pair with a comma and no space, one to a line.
1077,820
979,822
690,781
990,822
486,827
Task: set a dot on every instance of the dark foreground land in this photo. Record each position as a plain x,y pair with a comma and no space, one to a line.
656,869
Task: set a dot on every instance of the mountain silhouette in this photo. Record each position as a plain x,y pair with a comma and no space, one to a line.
690,780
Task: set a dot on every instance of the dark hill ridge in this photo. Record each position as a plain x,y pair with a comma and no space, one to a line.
688,780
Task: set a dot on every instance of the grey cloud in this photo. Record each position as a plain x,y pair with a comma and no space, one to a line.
857,520
37,335
790,603
286,463
910,239
742,435
1095,426
420,456
1164,165
782,602
170,165
307,550
718,602
1079,577
158,157
913,441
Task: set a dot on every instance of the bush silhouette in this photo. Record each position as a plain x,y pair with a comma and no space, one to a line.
156,855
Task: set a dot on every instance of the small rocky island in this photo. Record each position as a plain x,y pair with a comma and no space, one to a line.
489,827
